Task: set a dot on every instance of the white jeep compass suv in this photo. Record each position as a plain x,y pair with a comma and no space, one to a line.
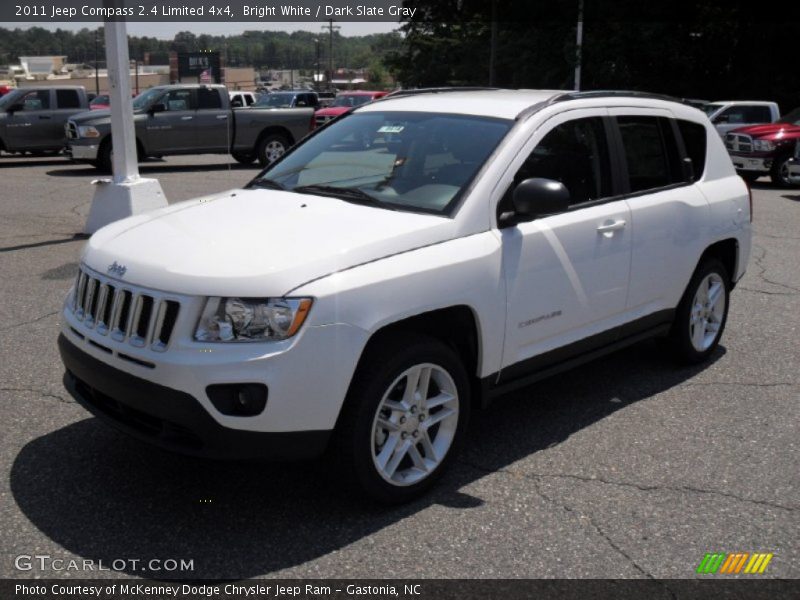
403,264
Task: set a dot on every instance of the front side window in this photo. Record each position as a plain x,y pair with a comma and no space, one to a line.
576,154
276,101
650,152
399,160
178,100
33,101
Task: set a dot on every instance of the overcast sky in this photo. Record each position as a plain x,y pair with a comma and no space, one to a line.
167,31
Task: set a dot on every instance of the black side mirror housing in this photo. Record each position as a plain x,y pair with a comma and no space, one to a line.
534,198
158,107
721,119
15,108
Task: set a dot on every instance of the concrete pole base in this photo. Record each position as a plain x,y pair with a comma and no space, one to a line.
115,201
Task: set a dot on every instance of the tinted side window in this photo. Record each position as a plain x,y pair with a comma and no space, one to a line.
694,139
68,99
650,152
249,99
38,100
757,114
208,99
178,100
574,153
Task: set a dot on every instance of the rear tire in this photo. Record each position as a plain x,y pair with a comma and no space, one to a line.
271,148
702,313
394,442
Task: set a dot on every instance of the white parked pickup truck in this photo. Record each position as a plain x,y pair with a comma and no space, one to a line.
727,115
417,257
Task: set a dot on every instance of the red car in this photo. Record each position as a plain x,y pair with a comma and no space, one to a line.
101,102
4,89
344,102
765,149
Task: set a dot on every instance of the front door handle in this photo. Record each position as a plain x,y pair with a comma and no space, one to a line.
608,228
187,118
44,117
222,116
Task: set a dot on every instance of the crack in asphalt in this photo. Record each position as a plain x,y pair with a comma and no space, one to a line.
757,260
36,320
766,293
42,393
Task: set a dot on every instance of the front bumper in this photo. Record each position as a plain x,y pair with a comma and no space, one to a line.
794,171
82,151
172,419
750,164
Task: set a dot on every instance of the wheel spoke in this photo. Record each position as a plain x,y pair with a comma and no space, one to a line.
412,381
424,384
389,447
389,425
699,333
438,400
715,294
397,458
417,459
437,417
427,447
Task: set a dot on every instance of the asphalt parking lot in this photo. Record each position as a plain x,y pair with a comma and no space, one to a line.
628,467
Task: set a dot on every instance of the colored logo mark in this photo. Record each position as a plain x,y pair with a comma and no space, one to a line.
735,562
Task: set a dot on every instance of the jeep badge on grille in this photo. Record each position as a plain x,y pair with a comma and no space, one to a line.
117,269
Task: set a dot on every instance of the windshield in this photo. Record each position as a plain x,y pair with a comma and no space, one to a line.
350,101
11,97
711,108
793,117
276,101
145,99
401,160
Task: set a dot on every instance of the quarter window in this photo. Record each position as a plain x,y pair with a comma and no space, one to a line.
574,153
694,139
651,152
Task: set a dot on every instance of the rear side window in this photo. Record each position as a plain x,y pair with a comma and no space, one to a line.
694,140
208,99
574,153
651,152
68,99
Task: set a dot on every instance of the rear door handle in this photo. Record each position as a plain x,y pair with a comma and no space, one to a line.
222,116
187,118
609,228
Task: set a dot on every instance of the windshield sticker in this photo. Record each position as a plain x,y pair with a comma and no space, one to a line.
391,129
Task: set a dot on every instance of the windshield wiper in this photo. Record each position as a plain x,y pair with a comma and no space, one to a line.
270,184
348,194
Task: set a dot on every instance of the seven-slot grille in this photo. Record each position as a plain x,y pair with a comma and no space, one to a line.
71,130
138,317
739,142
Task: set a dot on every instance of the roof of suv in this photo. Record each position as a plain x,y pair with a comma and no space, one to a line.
501,103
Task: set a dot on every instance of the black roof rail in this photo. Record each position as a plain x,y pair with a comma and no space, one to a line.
613,94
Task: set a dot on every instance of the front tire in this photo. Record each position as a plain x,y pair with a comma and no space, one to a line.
245,158
271,148
780,171
702,313
404,418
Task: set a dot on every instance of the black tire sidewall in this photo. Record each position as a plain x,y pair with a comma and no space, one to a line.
372,379
680,335
775,172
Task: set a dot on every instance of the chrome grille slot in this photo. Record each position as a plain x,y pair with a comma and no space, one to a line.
71,130
140,318
739,142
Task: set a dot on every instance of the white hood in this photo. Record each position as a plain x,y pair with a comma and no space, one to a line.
256,242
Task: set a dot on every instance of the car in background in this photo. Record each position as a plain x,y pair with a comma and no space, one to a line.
695,103
101,102
289,99
794,166
4,89
241,99
326,98
32,119
727,115
345,101
765,149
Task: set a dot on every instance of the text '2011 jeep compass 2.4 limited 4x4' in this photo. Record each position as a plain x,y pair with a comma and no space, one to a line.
402,264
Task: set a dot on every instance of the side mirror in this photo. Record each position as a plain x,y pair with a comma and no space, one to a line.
16,107
722,119
159,107
537,197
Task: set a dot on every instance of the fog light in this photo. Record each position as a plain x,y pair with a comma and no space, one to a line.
238,399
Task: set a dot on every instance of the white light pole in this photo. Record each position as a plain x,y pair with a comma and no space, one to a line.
126,194
579,47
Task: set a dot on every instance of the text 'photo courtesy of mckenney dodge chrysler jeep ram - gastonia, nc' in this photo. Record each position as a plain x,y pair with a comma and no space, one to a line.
402,265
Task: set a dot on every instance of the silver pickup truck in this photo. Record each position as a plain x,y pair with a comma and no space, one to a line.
191,119
32,118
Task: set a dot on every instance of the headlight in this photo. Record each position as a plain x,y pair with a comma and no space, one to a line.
87,131
763,146
251,319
